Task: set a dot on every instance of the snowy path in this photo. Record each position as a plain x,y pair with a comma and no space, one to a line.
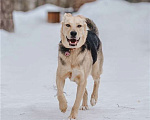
29,62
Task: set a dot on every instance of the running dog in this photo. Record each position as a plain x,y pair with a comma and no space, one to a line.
80,54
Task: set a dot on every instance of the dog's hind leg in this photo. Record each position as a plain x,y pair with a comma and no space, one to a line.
94,95
96,72
60,81
85,101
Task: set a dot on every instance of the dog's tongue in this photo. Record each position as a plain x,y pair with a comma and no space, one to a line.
67,53
73,40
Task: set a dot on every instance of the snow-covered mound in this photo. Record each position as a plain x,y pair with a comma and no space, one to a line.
29,63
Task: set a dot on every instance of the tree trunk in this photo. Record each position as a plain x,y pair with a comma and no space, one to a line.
6,20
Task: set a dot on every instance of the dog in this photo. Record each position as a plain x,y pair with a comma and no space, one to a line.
80,54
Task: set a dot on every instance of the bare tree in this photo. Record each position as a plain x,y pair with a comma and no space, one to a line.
6,16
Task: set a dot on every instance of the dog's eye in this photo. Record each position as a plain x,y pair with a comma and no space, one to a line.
79,26
68,25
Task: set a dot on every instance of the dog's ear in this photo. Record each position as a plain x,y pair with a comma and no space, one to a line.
66,15
82,17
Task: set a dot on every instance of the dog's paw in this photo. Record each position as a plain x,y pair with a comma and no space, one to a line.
84,107
63,106
93,101
62,103
72,117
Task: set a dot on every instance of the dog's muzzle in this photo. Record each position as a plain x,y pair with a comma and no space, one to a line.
73,41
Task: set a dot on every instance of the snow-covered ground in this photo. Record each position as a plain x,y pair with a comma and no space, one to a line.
29,62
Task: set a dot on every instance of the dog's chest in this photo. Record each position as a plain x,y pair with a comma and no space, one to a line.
75,63
74,58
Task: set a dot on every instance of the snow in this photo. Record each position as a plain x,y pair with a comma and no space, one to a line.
29,63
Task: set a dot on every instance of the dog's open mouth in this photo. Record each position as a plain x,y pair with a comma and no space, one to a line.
73,41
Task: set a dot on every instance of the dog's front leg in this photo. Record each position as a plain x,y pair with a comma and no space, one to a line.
60,81
80,91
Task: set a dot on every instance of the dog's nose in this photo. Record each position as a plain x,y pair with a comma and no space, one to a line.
73,33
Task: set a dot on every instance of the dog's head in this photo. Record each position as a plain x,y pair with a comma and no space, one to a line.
73,31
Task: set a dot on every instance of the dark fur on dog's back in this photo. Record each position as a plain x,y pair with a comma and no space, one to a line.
92,43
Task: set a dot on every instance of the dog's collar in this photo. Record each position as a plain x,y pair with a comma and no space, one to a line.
67,51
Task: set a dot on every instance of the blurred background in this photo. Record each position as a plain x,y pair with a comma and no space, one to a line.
30,34
26,5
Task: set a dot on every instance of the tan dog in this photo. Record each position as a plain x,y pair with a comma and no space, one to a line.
80,54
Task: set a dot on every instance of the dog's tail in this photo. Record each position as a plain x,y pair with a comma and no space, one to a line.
91,25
